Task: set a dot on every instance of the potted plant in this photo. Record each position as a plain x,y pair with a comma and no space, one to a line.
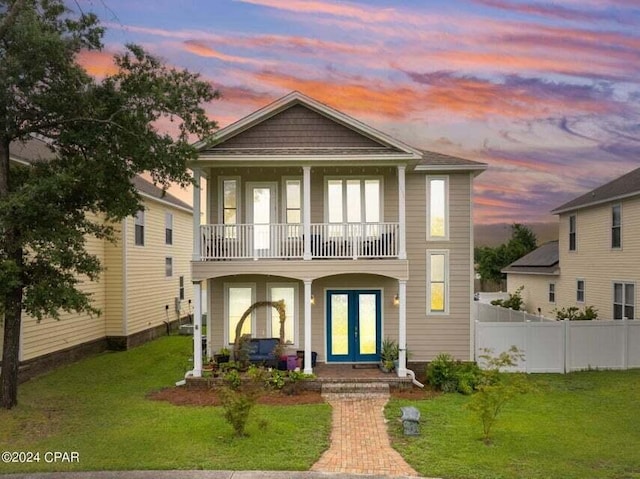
223,355
388,354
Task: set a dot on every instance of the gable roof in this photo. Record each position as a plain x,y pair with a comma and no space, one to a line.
37,149
625,186
543,260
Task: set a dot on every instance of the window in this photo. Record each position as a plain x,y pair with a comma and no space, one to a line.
437,281
168,228
230,207
168,267
624,300
288,293
354,200
616,226
293,206
139,228
552,292
572,233
437,211
181,288
239,298
580,290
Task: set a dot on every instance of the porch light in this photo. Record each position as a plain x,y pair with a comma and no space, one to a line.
313,299
396,300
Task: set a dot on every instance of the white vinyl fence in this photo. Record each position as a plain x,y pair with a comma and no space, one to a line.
488,313
564,346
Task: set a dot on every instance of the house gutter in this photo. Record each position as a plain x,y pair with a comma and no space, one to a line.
412,375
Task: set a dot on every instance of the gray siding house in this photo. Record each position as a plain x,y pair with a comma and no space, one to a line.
363,236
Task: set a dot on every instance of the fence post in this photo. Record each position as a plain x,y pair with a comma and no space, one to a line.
527,341
625,343
567,346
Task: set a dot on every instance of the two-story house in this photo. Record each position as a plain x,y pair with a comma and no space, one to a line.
144,289
596,261
363,237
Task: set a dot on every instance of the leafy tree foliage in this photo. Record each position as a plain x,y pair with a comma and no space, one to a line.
490,261
101,135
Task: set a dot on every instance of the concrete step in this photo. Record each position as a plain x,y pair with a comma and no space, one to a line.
356,388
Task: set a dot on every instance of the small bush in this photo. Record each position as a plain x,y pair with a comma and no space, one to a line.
237,406
514,301
275,380
573,313
448,375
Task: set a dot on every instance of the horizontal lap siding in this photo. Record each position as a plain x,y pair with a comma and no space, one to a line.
535,293
50,335
595,261
149,291
113,276
429,335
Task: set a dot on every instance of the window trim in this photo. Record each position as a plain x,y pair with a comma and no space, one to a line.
447,281
583,290
430,178
168,266
221,180
225,318
139,221
363,212
624,298
574,232
614,226
296,309
551,291
284,198
168,228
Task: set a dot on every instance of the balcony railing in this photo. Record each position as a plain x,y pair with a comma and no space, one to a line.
286,241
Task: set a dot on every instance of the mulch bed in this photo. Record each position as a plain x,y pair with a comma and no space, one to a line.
182,396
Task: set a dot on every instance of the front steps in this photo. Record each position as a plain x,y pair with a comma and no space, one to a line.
361,390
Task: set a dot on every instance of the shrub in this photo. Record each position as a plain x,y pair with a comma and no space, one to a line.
573,313
448,375
514,301
232,379
275,380
239,396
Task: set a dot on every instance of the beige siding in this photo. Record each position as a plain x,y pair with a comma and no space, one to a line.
50,335
298,127
535,293
595,261
113,276
148,290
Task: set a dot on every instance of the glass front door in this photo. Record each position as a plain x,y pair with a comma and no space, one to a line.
353,325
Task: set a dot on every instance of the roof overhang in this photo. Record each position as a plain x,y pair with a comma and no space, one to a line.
476,169
561,210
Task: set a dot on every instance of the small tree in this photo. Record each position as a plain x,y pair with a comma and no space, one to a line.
514,301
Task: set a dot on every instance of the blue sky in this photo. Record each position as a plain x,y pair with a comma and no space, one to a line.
547,93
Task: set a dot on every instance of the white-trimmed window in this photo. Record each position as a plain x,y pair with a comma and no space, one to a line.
289,293
139,228
572,233
437,281
437,208
238,298
624,295
580,290
616,226
552,292
168,266
181,288
354,201
168,228
292,201
229,201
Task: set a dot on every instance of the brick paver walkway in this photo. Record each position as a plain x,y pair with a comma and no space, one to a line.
359,440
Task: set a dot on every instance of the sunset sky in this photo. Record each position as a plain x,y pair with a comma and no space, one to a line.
547,93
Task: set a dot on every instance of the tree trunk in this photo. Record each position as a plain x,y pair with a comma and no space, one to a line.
13,299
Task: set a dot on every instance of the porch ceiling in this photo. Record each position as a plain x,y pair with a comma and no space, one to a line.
300,269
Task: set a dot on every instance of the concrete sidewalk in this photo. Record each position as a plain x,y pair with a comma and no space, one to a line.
196,475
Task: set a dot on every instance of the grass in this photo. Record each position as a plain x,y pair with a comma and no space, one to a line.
577,425
98,407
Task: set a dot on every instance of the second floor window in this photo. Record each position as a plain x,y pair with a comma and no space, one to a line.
354,201
616,226
293,207
572,233
139,228
437,222
230,202
168,228
168,267
580,290
552,292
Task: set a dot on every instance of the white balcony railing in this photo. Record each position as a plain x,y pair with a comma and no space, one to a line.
327,240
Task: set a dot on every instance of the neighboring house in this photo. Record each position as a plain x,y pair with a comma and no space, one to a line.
363,236
598,253
145,288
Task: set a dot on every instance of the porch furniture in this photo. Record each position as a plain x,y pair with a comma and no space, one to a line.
261,351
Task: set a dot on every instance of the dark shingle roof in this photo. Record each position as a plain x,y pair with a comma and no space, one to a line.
36,149
543,260
624,186
293,152
433,158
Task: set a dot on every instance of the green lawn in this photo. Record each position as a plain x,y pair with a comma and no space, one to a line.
579,425
98,408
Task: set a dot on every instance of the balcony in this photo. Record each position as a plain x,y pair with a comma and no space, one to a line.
287,241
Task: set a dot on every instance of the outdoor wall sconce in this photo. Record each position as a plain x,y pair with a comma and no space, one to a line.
313,299
396,300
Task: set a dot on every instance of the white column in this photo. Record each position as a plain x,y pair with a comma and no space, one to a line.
402,333
197,330
206,296
308,368
306,210
196,216
402,253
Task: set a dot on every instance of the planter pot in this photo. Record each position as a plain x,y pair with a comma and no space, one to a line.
221,358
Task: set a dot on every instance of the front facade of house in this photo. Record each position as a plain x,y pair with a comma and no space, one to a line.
146,282
364,237
599,253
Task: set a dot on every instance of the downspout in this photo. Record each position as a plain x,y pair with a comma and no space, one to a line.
412,375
